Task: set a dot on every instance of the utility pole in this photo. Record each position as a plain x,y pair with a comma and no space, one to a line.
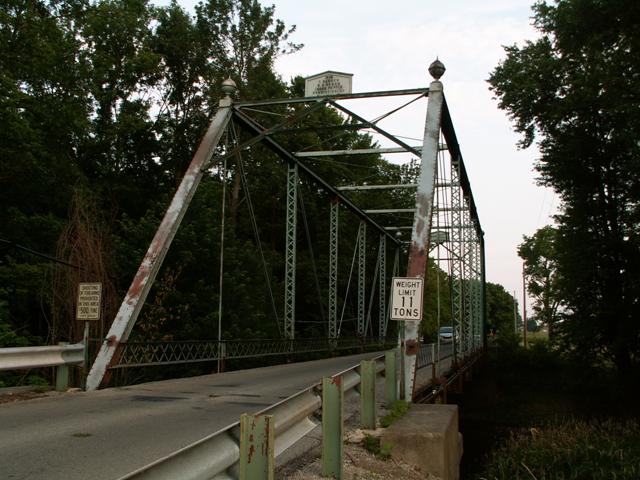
515,314
524,308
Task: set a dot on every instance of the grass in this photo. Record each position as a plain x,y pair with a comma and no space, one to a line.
569,450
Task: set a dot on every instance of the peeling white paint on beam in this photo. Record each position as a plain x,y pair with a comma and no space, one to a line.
421,231
144,278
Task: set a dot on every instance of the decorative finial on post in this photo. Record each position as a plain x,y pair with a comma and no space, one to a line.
229,87
436,69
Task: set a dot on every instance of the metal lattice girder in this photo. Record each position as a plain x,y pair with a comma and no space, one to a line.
456,262
394,273
153,259
483,305
468,295
382,285
478,309
333,269
290,260
362,265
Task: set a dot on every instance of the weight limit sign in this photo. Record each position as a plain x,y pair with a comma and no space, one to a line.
406,299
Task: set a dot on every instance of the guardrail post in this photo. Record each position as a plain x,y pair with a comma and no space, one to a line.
62,374
390,376
332,427
368,394
257,440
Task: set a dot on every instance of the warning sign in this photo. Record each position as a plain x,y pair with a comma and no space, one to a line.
89,297
406,299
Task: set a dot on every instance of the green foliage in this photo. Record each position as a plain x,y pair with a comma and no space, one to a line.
572,449
399,408
372,444
574,91
500,310
112,97
541,270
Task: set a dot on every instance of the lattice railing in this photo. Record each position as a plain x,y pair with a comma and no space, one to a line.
144,354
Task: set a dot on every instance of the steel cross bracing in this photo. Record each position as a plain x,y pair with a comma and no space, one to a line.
438,123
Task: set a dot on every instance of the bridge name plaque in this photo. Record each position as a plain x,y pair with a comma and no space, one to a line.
327,83
406,298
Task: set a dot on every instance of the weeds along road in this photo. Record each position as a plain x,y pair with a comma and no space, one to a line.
109,433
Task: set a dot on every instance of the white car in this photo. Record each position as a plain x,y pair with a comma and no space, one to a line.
445,334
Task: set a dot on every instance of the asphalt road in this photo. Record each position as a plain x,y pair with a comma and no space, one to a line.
109,433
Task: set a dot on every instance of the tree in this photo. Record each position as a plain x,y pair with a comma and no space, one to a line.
500,309
541,273
575,92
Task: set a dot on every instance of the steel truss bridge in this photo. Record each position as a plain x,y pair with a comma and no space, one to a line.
441,216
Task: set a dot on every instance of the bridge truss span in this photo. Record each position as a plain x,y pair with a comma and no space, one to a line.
359,244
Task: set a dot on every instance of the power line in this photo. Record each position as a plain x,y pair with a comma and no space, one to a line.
39,254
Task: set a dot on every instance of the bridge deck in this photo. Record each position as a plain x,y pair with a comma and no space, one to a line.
108,433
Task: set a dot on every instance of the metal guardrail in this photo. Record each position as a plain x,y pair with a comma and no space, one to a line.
19,358
216,457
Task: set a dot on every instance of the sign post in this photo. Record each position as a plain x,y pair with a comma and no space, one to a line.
88,310
406,307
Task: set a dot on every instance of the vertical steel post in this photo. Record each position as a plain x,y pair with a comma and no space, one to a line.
362,265
422,221
368,394
333,269
472,285
467,275
478,284
483,286
152,261
290,258
62,373
382,284
390,376
394,273
332,427
456,259
257,442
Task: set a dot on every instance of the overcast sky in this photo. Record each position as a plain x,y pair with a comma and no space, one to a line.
389,45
